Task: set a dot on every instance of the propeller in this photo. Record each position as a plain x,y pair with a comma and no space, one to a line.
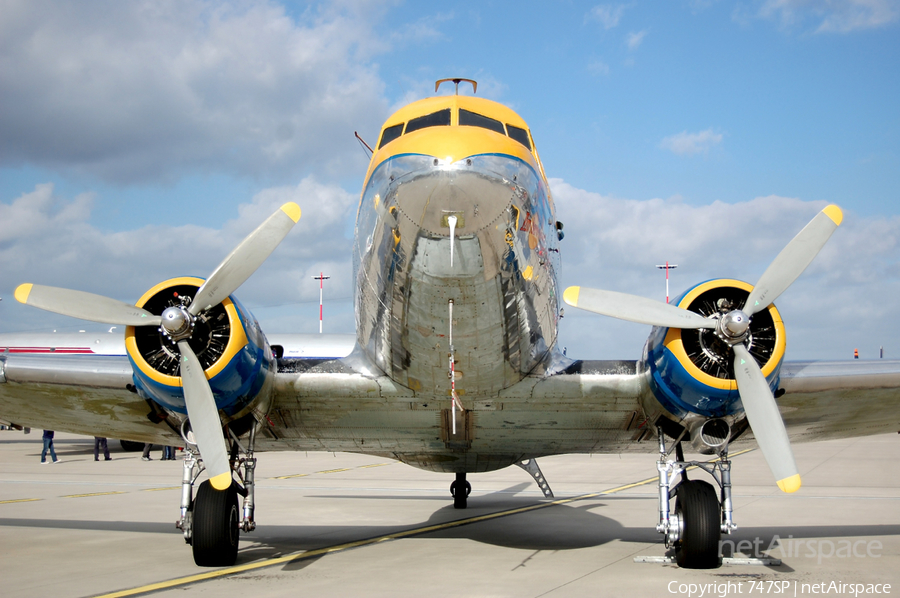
733,327
177,324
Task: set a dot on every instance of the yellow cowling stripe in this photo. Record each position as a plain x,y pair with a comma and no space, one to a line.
674,344
236,342
791,484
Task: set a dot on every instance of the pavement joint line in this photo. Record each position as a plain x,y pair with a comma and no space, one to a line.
416,531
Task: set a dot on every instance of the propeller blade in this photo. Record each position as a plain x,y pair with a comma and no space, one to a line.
634,308
246,258
793,259
86,306
765,419
205,423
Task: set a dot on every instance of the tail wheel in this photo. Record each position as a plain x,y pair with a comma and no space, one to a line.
460,489
215,526
697,507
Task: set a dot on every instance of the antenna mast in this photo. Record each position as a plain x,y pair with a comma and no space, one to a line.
456,81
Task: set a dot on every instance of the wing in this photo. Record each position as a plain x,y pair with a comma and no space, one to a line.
343,405
592,406
840,399
83,394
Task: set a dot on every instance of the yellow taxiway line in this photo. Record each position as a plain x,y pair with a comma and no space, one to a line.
182,581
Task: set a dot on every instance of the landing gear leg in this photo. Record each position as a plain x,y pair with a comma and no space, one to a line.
699,520
460,490
212,521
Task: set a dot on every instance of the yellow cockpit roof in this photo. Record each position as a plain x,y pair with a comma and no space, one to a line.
480,105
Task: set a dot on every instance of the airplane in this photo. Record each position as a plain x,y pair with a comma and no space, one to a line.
456,364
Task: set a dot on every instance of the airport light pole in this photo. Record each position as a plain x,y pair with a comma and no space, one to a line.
667,267
321,278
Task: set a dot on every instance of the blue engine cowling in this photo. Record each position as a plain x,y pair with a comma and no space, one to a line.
226,339
691,371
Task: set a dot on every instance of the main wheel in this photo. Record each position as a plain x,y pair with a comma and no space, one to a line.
215,526
460,489
130,446
697,506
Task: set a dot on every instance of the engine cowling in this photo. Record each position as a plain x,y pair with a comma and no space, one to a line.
692,371
227,340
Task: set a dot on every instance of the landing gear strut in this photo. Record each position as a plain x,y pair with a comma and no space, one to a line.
212,521
460,489
699,519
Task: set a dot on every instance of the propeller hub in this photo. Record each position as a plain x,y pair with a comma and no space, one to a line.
177,323
733,326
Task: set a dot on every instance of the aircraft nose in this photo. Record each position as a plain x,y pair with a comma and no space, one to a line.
475,199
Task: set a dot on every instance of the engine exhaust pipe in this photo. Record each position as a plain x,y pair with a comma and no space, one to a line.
711,436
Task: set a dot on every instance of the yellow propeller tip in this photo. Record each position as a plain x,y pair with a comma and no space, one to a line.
834,213
791,484
221,481
22,292
292,210
570,296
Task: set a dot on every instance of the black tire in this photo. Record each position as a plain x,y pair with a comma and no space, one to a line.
215,526
130,446
698,505
460,499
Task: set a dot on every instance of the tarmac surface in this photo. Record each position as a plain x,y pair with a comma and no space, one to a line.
352,525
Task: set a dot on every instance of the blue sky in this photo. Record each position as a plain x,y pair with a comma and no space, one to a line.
141,141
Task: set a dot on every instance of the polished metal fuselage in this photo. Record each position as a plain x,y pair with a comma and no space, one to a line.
501,281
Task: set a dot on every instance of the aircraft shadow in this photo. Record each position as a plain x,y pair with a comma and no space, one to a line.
552,528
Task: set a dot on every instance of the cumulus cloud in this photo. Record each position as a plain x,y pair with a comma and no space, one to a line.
634,40
844,299
607,15
598,67
686,144
135,92
838,16
48,239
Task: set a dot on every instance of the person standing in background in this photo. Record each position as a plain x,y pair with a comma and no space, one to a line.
48,446
101,444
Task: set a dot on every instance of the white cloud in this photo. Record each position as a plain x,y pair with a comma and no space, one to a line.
684,143
598,67
141,92
607,15
844,299
840,16
47,239
634,40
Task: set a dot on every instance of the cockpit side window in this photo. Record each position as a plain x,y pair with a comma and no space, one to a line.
390,133
473,119
441,118
520,135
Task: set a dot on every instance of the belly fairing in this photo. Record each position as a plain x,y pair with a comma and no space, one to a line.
502,278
